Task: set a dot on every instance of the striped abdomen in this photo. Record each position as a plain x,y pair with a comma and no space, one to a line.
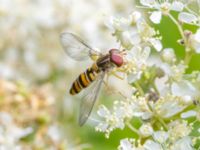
84,79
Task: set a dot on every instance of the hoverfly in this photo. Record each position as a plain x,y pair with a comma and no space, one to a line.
77,49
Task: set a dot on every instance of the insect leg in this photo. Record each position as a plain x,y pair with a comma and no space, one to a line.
118,76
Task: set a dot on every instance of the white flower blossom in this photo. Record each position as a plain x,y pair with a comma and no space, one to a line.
183,144
188,114
163,7
146,130
134,31
137,62
194,41
187,17
168,55
179,129
10,133
166,96
185,90
54,133
151,145
125,144
110,121
169,106
160,136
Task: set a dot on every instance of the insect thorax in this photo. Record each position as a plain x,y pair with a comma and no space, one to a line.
104,63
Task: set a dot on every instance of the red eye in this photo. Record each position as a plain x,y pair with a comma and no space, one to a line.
116,59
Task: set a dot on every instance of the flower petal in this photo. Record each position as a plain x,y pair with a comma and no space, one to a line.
146,130
183,89
148,3
156,17
183,144
197,36
160,136
187,17
151,145
177,6
188,114
156,44
125,144
103,111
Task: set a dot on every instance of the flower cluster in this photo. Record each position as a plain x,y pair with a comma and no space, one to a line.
26,118
31,54
166,97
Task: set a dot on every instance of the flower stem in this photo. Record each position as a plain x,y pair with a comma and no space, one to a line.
155,88
190,11
188,54
162,122
188,57
178,25
139,88
158,117
133,128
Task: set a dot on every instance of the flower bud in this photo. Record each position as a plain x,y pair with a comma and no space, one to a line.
168,55
146,130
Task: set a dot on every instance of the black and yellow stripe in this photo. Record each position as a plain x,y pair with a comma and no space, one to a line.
84,79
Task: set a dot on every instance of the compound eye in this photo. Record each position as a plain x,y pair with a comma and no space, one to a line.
116,59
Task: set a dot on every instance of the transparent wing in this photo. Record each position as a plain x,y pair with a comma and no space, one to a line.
75,47
89,99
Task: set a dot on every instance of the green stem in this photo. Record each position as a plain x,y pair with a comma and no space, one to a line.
133,128
178,25
188,57
188,53
162,122
139,88
190,11
158,117
155,88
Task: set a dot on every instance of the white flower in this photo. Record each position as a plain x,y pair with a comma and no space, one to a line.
156,44
146,130
135,16
134,32
194,41
110,121
10,133
160,136
173,72
178,129
54,133
156,17
128,39
137,62
151,145
168,55
168,106
190,113
103,111
141,108
161,7
162,86
125,29
125,144
148,3
177,6
184,89
187,17
183,144
120,24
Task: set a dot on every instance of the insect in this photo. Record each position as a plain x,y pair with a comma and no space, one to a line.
77,49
